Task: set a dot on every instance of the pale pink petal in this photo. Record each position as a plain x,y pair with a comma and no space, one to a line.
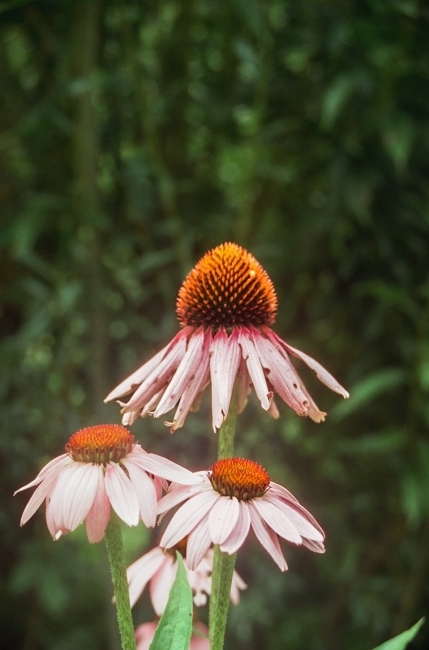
122,494
322,374
141,374
160,374
144,635
75,492
267,538
285,495
195,385
145,489
99,514
224,363
161,583
142,570
223,517
243,385
276,519
237,585
130,417
181,493
199,541
301,523
164,468
186,369
281,374
43,491
240,531
52,527
51,469
254,367
187,517
316,547
273,410
200,637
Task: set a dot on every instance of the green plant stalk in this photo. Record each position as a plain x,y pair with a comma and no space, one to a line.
115,552
223,564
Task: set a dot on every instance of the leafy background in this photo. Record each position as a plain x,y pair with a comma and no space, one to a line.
136,135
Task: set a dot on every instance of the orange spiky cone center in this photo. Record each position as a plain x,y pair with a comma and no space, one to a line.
228,287
100,444
239,477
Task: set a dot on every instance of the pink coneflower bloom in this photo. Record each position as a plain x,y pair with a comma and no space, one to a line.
103,467
199,639
237,494
225,308
159,569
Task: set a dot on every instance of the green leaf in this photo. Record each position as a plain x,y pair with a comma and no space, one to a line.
402,640
175,626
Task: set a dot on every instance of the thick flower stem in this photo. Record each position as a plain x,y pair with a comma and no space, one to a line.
223,564
223,569
115,552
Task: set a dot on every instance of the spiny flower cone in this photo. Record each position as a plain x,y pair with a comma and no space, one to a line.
225,308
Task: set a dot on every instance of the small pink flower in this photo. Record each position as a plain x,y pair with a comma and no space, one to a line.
199,639
237,494
225,308
103,467
159,569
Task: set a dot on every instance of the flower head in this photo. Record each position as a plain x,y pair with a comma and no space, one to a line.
199,639
237,494
159,569
225,308
102,467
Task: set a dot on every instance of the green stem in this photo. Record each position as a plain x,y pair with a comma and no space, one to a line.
223,569
223,564
115,552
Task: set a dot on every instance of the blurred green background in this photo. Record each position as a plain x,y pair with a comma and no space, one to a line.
134,137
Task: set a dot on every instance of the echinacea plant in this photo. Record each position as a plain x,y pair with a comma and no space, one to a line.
226,308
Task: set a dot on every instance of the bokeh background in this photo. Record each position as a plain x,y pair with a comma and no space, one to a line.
136,135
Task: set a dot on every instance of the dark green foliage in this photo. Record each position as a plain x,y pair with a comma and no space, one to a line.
137,135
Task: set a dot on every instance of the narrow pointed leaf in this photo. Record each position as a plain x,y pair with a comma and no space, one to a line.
401,641
175,626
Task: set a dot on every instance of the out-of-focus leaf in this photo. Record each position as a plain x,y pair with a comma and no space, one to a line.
367,390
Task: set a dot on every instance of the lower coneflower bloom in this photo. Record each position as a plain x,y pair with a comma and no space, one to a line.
237,494
199,639
225,308
102,467
159,569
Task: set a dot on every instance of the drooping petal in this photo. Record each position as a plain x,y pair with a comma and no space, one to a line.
142,570
281,374
187,517
243,386
164,468
240,531
316,547
99,514
285,495
322,374
276,520
300,522
224,363
42,492
74,494
160,374
237,585
254,367
195,385
186,369
161,584
199,541
145,489
181,493
223,518
267,537
122,494
51,469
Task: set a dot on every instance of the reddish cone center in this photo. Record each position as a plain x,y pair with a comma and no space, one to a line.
100,444
227,287
239,477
